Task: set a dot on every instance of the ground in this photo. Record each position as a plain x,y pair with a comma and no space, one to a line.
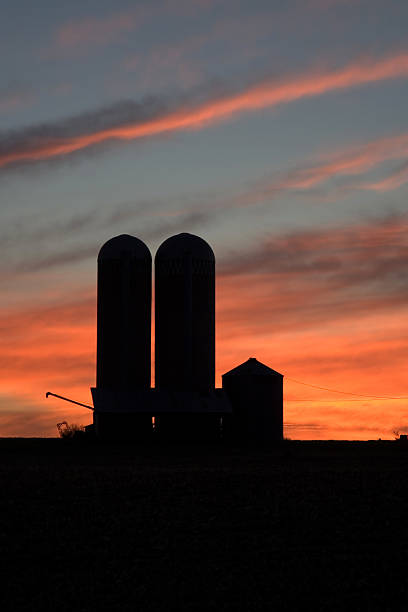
87,526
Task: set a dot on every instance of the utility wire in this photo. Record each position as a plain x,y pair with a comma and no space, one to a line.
379,397
369,399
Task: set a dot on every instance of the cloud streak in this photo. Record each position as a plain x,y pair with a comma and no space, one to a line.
41,253
76,254
147,120
351,166
307,280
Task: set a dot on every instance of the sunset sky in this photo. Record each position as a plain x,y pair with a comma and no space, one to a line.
276,130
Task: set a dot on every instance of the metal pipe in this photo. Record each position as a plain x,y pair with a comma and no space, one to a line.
68,400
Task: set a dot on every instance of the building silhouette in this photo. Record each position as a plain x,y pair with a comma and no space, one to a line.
185,314
124,303
256,394
124,314
184,405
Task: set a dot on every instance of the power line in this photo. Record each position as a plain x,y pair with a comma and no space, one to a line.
368,399
379,397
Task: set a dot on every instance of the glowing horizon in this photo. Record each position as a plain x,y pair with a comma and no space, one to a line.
65,362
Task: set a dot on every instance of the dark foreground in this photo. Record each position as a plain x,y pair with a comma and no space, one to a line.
93,527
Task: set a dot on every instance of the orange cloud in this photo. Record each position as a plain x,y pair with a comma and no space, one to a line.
393,181
267,94
352,162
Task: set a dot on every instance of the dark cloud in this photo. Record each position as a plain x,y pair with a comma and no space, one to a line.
47,133
39,145
77,254
375,252
308,278
31,141
38,248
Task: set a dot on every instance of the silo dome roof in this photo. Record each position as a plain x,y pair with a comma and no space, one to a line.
252,367
124,246
181,244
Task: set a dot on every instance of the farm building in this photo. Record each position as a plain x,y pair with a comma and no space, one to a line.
184,405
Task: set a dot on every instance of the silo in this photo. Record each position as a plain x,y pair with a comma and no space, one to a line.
185,314
256,395
124,314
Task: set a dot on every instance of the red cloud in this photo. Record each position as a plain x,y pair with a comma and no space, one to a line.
348,164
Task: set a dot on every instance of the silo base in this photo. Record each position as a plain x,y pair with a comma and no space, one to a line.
184,427
123,426
242,430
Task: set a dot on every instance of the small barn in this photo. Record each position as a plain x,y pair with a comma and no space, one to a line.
256,395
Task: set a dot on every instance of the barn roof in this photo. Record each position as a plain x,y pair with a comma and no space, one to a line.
252,367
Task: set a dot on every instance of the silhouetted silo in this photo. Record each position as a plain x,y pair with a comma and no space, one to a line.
124,314
256,394
185,314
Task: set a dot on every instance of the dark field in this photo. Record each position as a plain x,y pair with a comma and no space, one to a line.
86,526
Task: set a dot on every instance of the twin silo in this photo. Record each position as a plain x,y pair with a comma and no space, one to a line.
184,404
124,314
185,314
